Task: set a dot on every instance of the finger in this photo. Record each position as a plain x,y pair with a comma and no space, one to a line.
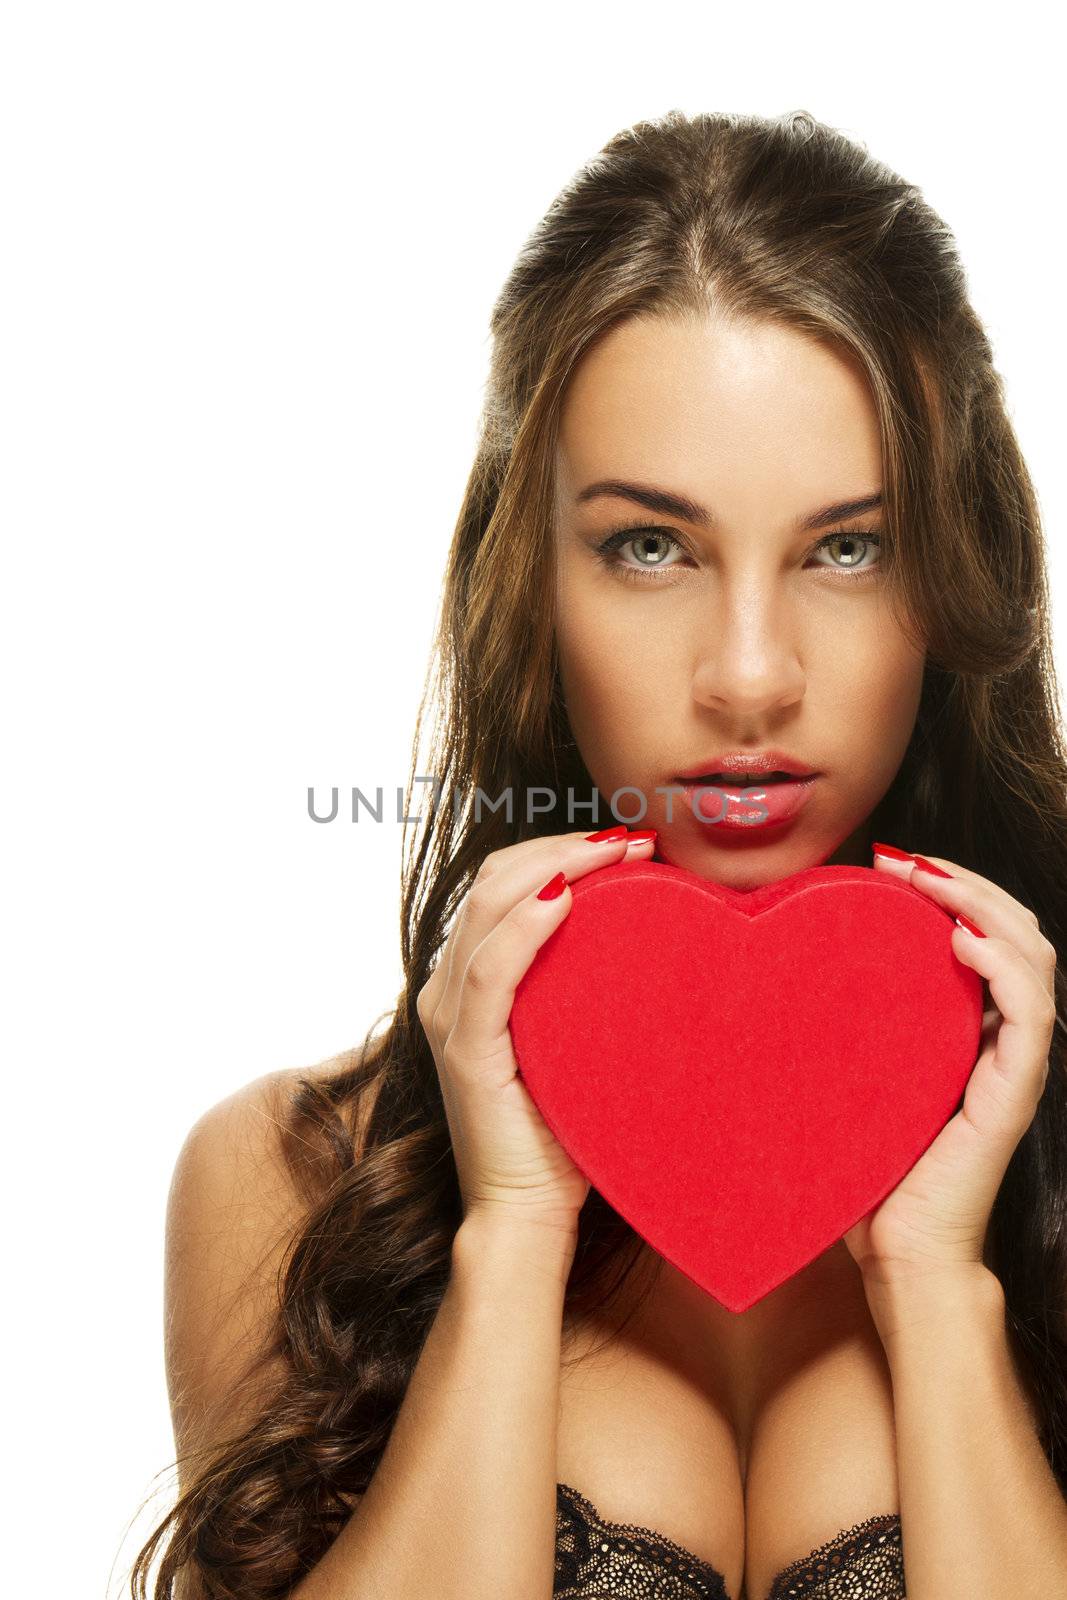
966,875
995,911
1013,1074
487,993
475,916
516,872
508,854
902,867
990,1023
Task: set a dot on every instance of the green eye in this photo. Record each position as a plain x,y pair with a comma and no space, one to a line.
609,551
874,540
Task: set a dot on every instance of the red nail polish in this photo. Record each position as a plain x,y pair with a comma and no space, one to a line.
642,835
928,866
553,888
965,922
618,832
892,852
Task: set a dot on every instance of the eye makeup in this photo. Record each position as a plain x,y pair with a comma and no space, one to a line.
607,552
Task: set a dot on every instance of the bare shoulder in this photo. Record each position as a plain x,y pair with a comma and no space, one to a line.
281,1089
232,1210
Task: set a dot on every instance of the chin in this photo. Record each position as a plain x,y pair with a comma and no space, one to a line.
756,866
740,873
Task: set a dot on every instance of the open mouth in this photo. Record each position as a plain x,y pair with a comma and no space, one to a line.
745,780
738,803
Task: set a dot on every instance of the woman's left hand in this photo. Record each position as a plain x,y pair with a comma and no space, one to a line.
935,1220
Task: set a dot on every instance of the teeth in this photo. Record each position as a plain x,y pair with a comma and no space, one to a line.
743,779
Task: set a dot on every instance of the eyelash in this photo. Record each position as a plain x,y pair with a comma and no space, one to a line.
608,550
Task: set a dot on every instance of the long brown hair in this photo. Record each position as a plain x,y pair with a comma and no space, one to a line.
781,218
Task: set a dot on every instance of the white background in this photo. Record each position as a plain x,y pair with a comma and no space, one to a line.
249,257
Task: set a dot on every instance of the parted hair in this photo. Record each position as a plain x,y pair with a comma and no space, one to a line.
780,218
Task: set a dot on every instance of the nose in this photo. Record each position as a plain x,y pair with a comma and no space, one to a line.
747,653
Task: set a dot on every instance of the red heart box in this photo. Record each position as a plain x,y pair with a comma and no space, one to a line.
743,1076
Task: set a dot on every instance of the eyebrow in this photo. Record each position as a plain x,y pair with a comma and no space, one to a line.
675,505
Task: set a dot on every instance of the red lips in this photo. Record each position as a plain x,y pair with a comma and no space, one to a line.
740,764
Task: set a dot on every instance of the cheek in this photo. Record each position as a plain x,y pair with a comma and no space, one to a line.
611,650
593,688
884,703
616,673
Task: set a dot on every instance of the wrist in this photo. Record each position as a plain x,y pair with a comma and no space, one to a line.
909,1306
502,1239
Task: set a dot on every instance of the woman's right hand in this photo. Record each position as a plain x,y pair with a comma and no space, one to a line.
508,1160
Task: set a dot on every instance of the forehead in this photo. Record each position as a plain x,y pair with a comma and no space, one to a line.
730,411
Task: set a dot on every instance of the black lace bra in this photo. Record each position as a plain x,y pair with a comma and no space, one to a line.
599,1560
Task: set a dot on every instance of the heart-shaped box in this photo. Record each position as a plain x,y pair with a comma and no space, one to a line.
742,1076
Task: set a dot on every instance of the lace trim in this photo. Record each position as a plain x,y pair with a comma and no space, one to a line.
601,1560
865,1562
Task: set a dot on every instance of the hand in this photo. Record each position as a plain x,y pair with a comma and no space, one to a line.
936,1219
507,1159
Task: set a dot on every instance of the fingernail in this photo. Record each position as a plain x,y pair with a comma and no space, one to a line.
928,866
892,852
618,832
553,888
965,922
641,836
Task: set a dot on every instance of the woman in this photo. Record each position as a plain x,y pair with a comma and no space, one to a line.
745,485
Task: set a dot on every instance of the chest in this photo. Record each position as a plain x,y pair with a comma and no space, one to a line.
746,1439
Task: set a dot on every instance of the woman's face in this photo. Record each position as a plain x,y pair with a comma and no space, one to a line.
728,628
